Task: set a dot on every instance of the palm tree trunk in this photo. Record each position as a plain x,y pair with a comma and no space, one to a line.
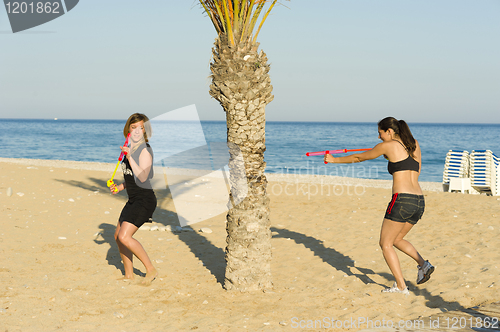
241,84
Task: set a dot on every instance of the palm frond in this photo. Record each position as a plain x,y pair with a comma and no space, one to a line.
237,18
263,20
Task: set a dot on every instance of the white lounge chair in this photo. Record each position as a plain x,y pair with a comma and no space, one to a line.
484,171
456,166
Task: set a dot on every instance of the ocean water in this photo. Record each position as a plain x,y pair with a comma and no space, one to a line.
286,142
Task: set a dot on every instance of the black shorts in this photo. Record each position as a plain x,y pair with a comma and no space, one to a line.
405,208
139,210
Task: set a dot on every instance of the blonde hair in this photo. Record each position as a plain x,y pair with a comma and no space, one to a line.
137,117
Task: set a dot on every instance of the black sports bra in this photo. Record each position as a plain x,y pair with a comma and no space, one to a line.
408,164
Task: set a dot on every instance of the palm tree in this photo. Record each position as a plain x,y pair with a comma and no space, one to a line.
241,84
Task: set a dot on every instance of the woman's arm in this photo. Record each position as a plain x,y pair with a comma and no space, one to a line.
142,169
376,152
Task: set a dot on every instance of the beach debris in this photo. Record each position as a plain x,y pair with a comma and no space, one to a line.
491,228
283,323
266,323
246,57
159,312
71,199
158,261
9,191
20,194
118,315
62,238
177,229
106,212
144,228
205,302
153,228
205,230
467,255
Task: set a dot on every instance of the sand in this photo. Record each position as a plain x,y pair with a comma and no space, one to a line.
59,263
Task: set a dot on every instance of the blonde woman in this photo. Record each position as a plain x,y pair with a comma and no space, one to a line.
137,172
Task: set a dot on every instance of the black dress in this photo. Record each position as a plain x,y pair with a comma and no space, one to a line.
141,198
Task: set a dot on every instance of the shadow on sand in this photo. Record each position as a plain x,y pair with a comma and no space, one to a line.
347,265
213,257
210,255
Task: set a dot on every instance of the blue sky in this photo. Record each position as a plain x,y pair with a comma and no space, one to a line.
350,60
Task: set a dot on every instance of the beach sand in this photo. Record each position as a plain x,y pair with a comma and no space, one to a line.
59,263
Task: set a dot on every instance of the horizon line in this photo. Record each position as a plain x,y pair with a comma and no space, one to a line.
268,121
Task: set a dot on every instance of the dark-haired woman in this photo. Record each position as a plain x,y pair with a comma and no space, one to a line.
407,204
137,172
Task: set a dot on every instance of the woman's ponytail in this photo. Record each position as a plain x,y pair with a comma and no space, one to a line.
402,130
407,137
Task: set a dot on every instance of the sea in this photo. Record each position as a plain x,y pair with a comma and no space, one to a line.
286,143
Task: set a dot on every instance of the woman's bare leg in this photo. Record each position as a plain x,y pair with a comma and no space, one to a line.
406,247
126,255
388,235
127,230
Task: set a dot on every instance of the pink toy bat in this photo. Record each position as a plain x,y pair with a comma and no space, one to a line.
120,158
320,153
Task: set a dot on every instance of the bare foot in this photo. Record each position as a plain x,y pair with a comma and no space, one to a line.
150,276
125,279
